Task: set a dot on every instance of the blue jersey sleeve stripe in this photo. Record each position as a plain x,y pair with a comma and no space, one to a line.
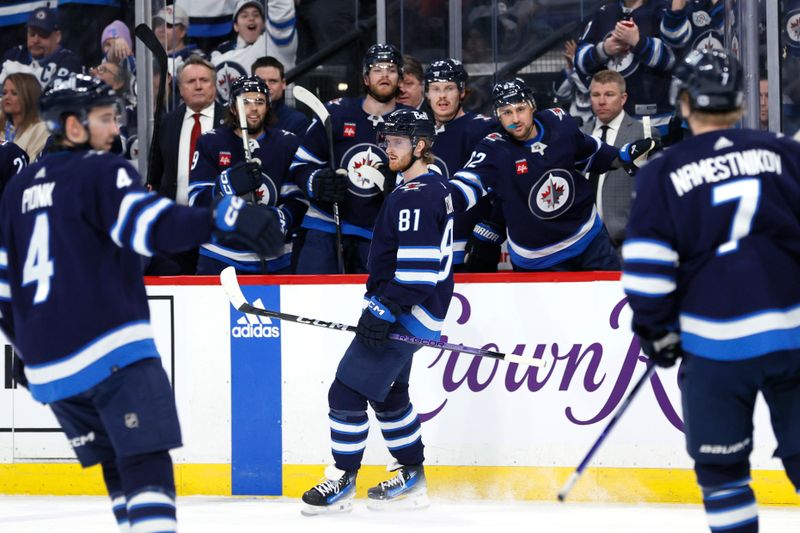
125,207
470,195
649,251
144,224
303,155
648,285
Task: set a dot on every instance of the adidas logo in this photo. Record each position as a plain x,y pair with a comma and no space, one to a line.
255,327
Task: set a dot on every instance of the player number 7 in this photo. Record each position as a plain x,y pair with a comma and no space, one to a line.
746,193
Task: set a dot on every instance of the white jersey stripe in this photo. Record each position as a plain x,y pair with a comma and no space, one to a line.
144,222
648,285
743,327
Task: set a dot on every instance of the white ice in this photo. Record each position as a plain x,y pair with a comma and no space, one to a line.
199,514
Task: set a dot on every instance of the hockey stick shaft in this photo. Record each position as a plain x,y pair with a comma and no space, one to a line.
308,98
562,494
231,286
149,39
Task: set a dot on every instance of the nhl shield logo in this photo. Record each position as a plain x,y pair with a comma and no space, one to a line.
362,162
552,195
131,420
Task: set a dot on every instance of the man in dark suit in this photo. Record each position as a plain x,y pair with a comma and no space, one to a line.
181,128
614,126
284,117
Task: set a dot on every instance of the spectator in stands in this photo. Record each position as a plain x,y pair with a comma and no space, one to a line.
113,75
117,46
43,56
20,121
573,92
696,25
13,24
612,125
763,100
625,36
209,21
82,22
271,71
170,25
411,86
235,58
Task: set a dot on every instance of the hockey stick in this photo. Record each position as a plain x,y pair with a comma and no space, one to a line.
231,285
248,153
307,97
149,39
562,494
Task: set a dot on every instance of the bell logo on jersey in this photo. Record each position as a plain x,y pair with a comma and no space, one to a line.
255,327
552,194
522,166
224,160
349,129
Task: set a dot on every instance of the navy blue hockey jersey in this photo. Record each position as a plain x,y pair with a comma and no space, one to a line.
698,26
354,137
452,147
72,228
411,253
547,203
12,160
59,64
713,246
646,67
220,149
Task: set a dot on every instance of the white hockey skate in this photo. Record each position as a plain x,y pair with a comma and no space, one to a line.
333,495
406,490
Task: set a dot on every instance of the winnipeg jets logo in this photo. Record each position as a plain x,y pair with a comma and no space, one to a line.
362,162
793,28
552,194
227,71
710,40
701,18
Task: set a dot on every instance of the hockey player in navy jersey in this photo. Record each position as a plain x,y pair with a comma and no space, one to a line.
625,36
711,265
219,168
535,168
12,160
694,25
457,133
72,300
358,184
408,291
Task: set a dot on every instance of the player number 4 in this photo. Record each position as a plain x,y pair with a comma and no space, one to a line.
746,193
38,266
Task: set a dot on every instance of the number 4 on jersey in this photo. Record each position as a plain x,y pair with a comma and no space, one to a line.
38,266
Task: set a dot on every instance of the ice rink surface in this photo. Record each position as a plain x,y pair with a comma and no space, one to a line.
199,514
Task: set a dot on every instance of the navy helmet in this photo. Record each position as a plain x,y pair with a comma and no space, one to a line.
409,123
511,92
382,53
713,80
75,95
446,70
248,84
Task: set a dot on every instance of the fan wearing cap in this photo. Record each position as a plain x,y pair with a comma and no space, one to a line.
42,54
362,176
710,271
220,168
258,32
171,25
409,289
457,133
536,168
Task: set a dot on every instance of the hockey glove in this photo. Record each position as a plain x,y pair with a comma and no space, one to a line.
241,178
377,318
482,252
256,226
389,179
665,351
633,155
325,185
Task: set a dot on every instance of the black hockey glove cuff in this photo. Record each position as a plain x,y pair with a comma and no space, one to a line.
482,252
256,226
376,321
633,155
241,178
325,185
664,351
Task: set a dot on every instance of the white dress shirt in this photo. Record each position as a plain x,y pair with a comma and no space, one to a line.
206,124
611,136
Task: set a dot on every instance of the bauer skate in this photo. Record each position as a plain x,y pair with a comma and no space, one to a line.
406,490
333,495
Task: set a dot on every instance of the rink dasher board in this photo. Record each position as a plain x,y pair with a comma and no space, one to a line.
489,428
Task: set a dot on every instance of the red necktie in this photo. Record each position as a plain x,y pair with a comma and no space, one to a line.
193,139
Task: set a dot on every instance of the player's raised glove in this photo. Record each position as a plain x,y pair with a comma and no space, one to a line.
389,179
241,178
633,155
482,252
325,185
376,320
256,226
664,351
